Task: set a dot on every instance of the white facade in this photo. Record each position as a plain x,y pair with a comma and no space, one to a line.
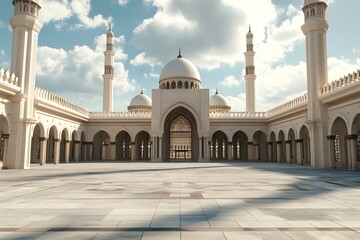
181,122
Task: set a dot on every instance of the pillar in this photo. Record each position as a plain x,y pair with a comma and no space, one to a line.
43,147
76,147
133,151
56,151
230,151
5,148
299,155
352,151
67,151
288,151
278,151
269,151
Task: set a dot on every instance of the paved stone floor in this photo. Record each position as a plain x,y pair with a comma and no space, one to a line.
174,201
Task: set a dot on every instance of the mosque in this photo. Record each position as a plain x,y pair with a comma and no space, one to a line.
181,122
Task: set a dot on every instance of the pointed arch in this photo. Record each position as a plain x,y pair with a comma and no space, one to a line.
101,145
51,154
339,144
240,146
219,146
36,144
143,146
123,146
304,139
259,145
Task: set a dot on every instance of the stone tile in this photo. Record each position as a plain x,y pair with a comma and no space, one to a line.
202,235
161,236
118,235
67,235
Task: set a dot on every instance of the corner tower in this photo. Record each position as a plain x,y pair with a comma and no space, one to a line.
315,28
26,27
250,76
108,72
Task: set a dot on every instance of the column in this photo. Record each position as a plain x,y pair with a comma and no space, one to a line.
299,155
76,146
160,148
269,151
278,151
133,151
56,151
250,151
84,151
230,151
331,148
5,148
67,151
352,151
288,151
200,149
89,149
43,145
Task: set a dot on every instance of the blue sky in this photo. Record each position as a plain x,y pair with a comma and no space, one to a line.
211,34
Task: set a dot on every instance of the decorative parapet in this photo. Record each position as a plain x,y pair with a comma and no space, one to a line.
288,105
113,115
8,77
341,83
232,115
50,97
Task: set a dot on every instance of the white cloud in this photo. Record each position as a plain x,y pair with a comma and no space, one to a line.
230,81
2,52
55,10
142,59
77,74
2,24
340,67
60,10
216,36
123,2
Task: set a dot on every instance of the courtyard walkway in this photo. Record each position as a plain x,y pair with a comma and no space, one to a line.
172,201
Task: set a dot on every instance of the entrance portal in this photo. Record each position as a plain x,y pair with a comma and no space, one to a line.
181,140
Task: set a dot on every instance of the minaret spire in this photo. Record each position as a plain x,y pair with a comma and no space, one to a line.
108,72
250,76
179,56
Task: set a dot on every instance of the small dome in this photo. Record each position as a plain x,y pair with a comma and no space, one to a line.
218,100
141,100
180,68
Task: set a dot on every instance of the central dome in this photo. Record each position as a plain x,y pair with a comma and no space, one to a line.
180,73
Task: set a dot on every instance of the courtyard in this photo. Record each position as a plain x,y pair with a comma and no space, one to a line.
183,200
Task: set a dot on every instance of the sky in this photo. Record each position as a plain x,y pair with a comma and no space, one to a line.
211,34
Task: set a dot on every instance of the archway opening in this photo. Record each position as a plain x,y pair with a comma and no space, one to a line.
240,146
180,140
50,146
356,131
305,158
101,145
339,144
260,149
4,134
219,146
123,146
36,145
282,153
143,146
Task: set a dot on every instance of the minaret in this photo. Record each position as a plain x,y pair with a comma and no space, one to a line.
315,29
250,73
26,27
108,72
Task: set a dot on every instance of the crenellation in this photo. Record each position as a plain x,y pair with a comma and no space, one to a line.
289,104
342,82
8,77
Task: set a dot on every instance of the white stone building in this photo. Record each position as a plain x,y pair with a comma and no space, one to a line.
181,122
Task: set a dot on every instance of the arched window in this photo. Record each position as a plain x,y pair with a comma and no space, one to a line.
312,12
173,85
167,85
186,85
337,148
192,85
25,8
358,147
180,85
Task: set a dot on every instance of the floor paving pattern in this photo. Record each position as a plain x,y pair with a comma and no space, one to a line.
173,201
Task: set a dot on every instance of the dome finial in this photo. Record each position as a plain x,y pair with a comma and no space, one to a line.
179,56
249,28
216,91
142,91
110,27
